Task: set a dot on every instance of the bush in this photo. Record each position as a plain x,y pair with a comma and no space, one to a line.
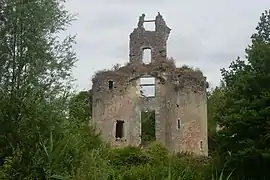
192,166
6,168
154,162
157,153
128,156
93,166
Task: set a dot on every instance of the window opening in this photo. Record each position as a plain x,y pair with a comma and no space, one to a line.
110,84
178,123
147,56
119,133
149,25
148,131
148,86
201,145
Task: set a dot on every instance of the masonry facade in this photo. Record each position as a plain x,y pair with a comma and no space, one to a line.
177,95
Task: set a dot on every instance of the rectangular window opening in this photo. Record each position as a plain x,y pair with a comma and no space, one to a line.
110,84
147,86
147,56
178,124
201,145
119,132
149,26
148,125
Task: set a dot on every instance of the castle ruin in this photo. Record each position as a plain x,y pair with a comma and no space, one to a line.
176,96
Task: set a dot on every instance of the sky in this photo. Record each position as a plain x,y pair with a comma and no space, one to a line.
205,34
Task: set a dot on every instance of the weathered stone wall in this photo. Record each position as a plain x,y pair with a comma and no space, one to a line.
190,109
124,102
141,39
180,94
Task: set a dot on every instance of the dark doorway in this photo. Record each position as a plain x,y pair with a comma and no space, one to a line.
148,133
119,131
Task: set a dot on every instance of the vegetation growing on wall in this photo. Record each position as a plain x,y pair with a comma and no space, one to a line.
44,132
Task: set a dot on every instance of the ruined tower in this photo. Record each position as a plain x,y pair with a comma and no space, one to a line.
156,41
175,98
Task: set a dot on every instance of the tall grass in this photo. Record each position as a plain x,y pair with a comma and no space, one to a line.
81,155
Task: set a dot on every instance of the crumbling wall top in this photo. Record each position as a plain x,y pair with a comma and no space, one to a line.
180,77
156,41
160,26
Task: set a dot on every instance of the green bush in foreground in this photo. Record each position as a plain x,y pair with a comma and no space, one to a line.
131,163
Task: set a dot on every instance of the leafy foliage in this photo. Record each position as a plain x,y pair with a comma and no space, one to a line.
35,74
155,163
44,132
215,102
148,127
80,105
129,156
244,140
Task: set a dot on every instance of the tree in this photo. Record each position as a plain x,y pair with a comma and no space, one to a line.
215,103
244,140
35,77
80,105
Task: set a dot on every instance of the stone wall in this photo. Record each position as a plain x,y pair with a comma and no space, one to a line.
141,39
180,95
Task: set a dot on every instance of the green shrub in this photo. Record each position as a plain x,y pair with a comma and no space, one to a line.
191,166
93,166
157,153
136,172
156,163
128,156
6,168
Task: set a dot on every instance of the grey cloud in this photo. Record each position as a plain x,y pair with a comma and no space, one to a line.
205,34
110,20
